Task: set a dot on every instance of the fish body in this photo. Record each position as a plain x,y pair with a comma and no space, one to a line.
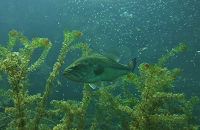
95,68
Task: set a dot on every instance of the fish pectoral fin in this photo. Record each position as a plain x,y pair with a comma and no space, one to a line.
99,71
118,80
96,84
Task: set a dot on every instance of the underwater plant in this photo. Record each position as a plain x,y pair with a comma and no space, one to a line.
157,107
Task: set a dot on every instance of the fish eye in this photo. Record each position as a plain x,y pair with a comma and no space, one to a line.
75,67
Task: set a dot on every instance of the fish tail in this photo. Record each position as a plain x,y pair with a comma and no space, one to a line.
132,64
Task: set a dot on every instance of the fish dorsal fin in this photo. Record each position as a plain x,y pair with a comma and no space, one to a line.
113,55
96,54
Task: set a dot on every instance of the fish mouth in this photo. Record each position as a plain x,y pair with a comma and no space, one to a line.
72,76
65,73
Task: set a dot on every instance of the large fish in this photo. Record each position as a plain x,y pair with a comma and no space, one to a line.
96,68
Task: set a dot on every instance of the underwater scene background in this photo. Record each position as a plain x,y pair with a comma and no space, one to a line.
142,29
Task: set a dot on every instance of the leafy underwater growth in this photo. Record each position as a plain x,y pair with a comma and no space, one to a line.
155,109
16,66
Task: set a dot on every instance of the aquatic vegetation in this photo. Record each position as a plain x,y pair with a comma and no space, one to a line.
155,108
16,66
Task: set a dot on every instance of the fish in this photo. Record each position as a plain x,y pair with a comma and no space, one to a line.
138,29
142,49
97,68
